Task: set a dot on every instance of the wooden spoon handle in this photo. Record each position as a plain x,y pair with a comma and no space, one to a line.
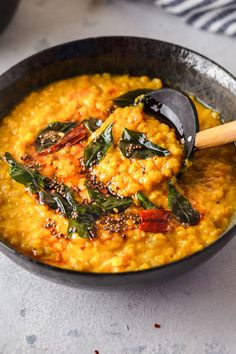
220,135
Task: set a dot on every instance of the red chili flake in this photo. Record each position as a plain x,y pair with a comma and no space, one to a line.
112,91
154,220
96,352
202,216
73,137
157,325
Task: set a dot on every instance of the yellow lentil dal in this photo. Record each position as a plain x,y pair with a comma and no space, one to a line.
209,183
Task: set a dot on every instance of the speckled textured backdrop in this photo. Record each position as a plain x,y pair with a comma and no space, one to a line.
197,312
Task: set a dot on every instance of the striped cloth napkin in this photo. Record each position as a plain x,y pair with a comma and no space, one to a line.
217,16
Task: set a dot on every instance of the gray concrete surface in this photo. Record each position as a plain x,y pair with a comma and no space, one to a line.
197,312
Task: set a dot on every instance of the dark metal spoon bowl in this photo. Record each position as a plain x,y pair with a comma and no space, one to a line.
175,109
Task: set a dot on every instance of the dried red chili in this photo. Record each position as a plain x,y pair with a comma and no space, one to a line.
154,220
73,137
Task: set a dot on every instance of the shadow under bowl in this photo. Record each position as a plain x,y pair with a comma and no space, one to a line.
178,67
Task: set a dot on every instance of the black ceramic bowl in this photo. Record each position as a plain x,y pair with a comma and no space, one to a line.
179,67
7,10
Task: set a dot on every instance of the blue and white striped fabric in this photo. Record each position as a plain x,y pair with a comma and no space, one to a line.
211,15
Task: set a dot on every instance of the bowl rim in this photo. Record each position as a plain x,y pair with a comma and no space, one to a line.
229,233
65,44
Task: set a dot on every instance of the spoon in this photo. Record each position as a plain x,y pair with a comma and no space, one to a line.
176,109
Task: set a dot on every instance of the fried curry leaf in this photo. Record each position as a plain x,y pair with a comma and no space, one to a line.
47,199
51,135
84,223
96,150
70,199
84,226
181,207
80,228
92,124
128,99
21,174
145,202
109,203
136,145
62,204
37,184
